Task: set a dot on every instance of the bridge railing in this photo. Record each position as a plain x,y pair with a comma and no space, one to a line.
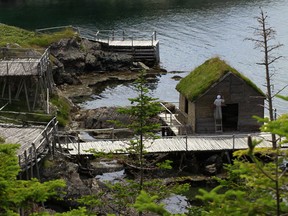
107,36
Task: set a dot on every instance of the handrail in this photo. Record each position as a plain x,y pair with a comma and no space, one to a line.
48,125
54,28
171,114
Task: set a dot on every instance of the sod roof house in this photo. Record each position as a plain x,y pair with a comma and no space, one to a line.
198,91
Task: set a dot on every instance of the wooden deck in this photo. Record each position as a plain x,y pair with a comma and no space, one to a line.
171,144
23,64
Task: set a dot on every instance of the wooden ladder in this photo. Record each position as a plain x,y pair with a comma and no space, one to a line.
218,126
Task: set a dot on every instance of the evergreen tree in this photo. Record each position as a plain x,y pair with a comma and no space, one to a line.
142,110
25,194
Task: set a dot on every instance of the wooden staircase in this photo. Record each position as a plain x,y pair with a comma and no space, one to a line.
146,54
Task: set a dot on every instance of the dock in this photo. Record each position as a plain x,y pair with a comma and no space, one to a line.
143,46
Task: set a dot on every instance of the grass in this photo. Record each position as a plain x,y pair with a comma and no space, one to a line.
63,109
17,112
202,77
29,39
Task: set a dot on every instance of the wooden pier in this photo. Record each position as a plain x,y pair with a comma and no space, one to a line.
143,46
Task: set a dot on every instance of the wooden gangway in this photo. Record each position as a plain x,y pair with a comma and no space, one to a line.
35,141
171,144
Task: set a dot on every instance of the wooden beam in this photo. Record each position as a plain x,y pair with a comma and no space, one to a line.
27,96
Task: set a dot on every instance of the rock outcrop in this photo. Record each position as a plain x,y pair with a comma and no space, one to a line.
73,57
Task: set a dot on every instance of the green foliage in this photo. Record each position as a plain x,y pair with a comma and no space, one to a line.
75,212
12,35
247,191
165,164
20,193
279,126
201,78
144,202
20,118
63,109
2,140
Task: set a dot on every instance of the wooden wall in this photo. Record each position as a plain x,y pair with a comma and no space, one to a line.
235,91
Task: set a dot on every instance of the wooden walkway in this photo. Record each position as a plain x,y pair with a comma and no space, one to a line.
171,144
34,140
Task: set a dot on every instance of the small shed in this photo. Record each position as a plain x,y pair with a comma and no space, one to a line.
198,91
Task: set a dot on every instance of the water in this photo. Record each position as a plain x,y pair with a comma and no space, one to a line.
190,32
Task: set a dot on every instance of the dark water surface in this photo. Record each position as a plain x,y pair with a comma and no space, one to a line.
190,31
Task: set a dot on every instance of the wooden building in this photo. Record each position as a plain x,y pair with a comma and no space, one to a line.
198,91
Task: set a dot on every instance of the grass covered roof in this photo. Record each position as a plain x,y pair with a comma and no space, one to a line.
201,78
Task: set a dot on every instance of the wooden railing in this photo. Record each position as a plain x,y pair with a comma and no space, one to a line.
43,143
107,36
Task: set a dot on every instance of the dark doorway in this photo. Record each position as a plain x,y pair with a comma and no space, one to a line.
230,117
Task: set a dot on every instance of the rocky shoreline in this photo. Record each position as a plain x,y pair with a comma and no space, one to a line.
79,65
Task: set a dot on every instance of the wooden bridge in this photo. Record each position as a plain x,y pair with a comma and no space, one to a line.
170,144
141,45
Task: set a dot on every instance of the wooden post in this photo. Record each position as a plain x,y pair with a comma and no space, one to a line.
26,162
31,162
4,86
186,142
48,143
78,144
19,89
36,162
35,96
19,162
233,141
55,130
9,93
27,96
47,100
